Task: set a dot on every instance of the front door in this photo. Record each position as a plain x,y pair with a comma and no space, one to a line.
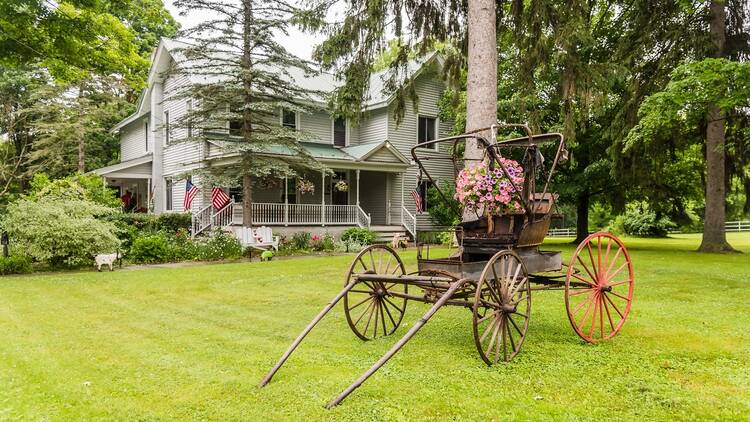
338,196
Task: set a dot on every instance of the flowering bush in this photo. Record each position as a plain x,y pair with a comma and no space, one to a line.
322,243
479,187
305,186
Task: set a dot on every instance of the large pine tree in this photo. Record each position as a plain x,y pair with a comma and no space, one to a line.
247,78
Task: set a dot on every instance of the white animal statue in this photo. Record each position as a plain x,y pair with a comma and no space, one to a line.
106,259
398,241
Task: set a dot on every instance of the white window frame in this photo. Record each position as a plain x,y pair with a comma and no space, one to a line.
437,128
346,133
168,194
296,119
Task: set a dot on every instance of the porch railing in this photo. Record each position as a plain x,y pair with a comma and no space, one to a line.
202,220
409,221
363,219
308,214
224,216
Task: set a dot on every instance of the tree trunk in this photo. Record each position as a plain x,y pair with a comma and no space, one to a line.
247,200
81,132
714,234
481,83
582,218
247,84
746,208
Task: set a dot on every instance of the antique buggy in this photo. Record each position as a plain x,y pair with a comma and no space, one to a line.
496,265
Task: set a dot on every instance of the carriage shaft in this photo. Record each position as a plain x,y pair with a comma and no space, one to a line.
416,327
304,333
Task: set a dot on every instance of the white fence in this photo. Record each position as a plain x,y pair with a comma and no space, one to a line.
737,226
561,233
730,226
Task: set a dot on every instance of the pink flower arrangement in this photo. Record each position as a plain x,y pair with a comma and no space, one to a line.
479,187
315,238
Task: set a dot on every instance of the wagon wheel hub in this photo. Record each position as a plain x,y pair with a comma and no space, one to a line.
508,309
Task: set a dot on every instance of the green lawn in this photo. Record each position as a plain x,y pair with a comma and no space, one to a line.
193,342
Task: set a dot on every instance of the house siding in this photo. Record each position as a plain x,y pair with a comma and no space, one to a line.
373,127
403,136
179,156
133,140
318,126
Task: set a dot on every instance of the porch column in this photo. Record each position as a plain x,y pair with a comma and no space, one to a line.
357,187
148,195
323,197
286,201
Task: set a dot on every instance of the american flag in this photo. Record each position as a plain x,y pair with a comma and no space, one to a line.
219,198
417,201
190,191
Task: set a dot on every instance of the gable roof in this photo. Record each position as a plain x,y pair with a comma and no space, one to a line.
169,49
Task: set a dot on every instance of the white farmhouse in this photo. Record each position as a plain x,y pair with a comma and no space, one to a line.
373,158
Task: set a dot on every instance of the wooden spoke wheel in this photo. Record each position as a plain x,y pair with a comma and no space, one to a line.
371,309
502,307
599,287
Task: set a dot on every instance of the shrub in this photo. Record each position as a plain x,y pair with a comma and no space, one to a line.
348,246
173,221
322,243
363,236
151,248
218,245
15,264
300,241
78,186
642,222
60,231
443,210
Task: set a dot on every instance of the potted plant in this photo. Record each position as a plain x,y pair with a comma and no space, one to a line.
305,186
490,191
341,186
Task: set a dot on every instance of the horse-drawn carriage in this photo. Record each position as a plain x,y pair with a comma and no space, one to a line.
497,263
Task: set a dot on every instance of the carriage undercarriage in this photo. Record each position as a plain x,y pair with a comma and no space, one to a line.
493,272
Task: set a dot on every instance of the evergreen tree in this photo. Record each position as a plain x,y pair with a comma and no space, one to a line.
248,79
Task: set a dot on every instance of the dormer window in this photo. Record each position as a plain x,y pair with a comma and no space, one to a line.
289,119
339,132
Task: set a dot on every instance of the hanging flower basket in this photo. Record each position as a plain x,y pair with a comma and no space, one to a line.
490,191
305,186
341,186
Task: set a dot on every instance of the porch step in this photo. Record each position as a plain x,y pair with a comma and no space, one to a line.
386,233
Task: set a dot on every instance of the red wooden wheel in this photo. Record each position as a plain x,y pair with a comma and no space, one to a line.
599,287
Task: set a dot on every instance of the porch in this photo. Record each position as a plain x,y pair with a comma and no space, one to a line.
364,187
